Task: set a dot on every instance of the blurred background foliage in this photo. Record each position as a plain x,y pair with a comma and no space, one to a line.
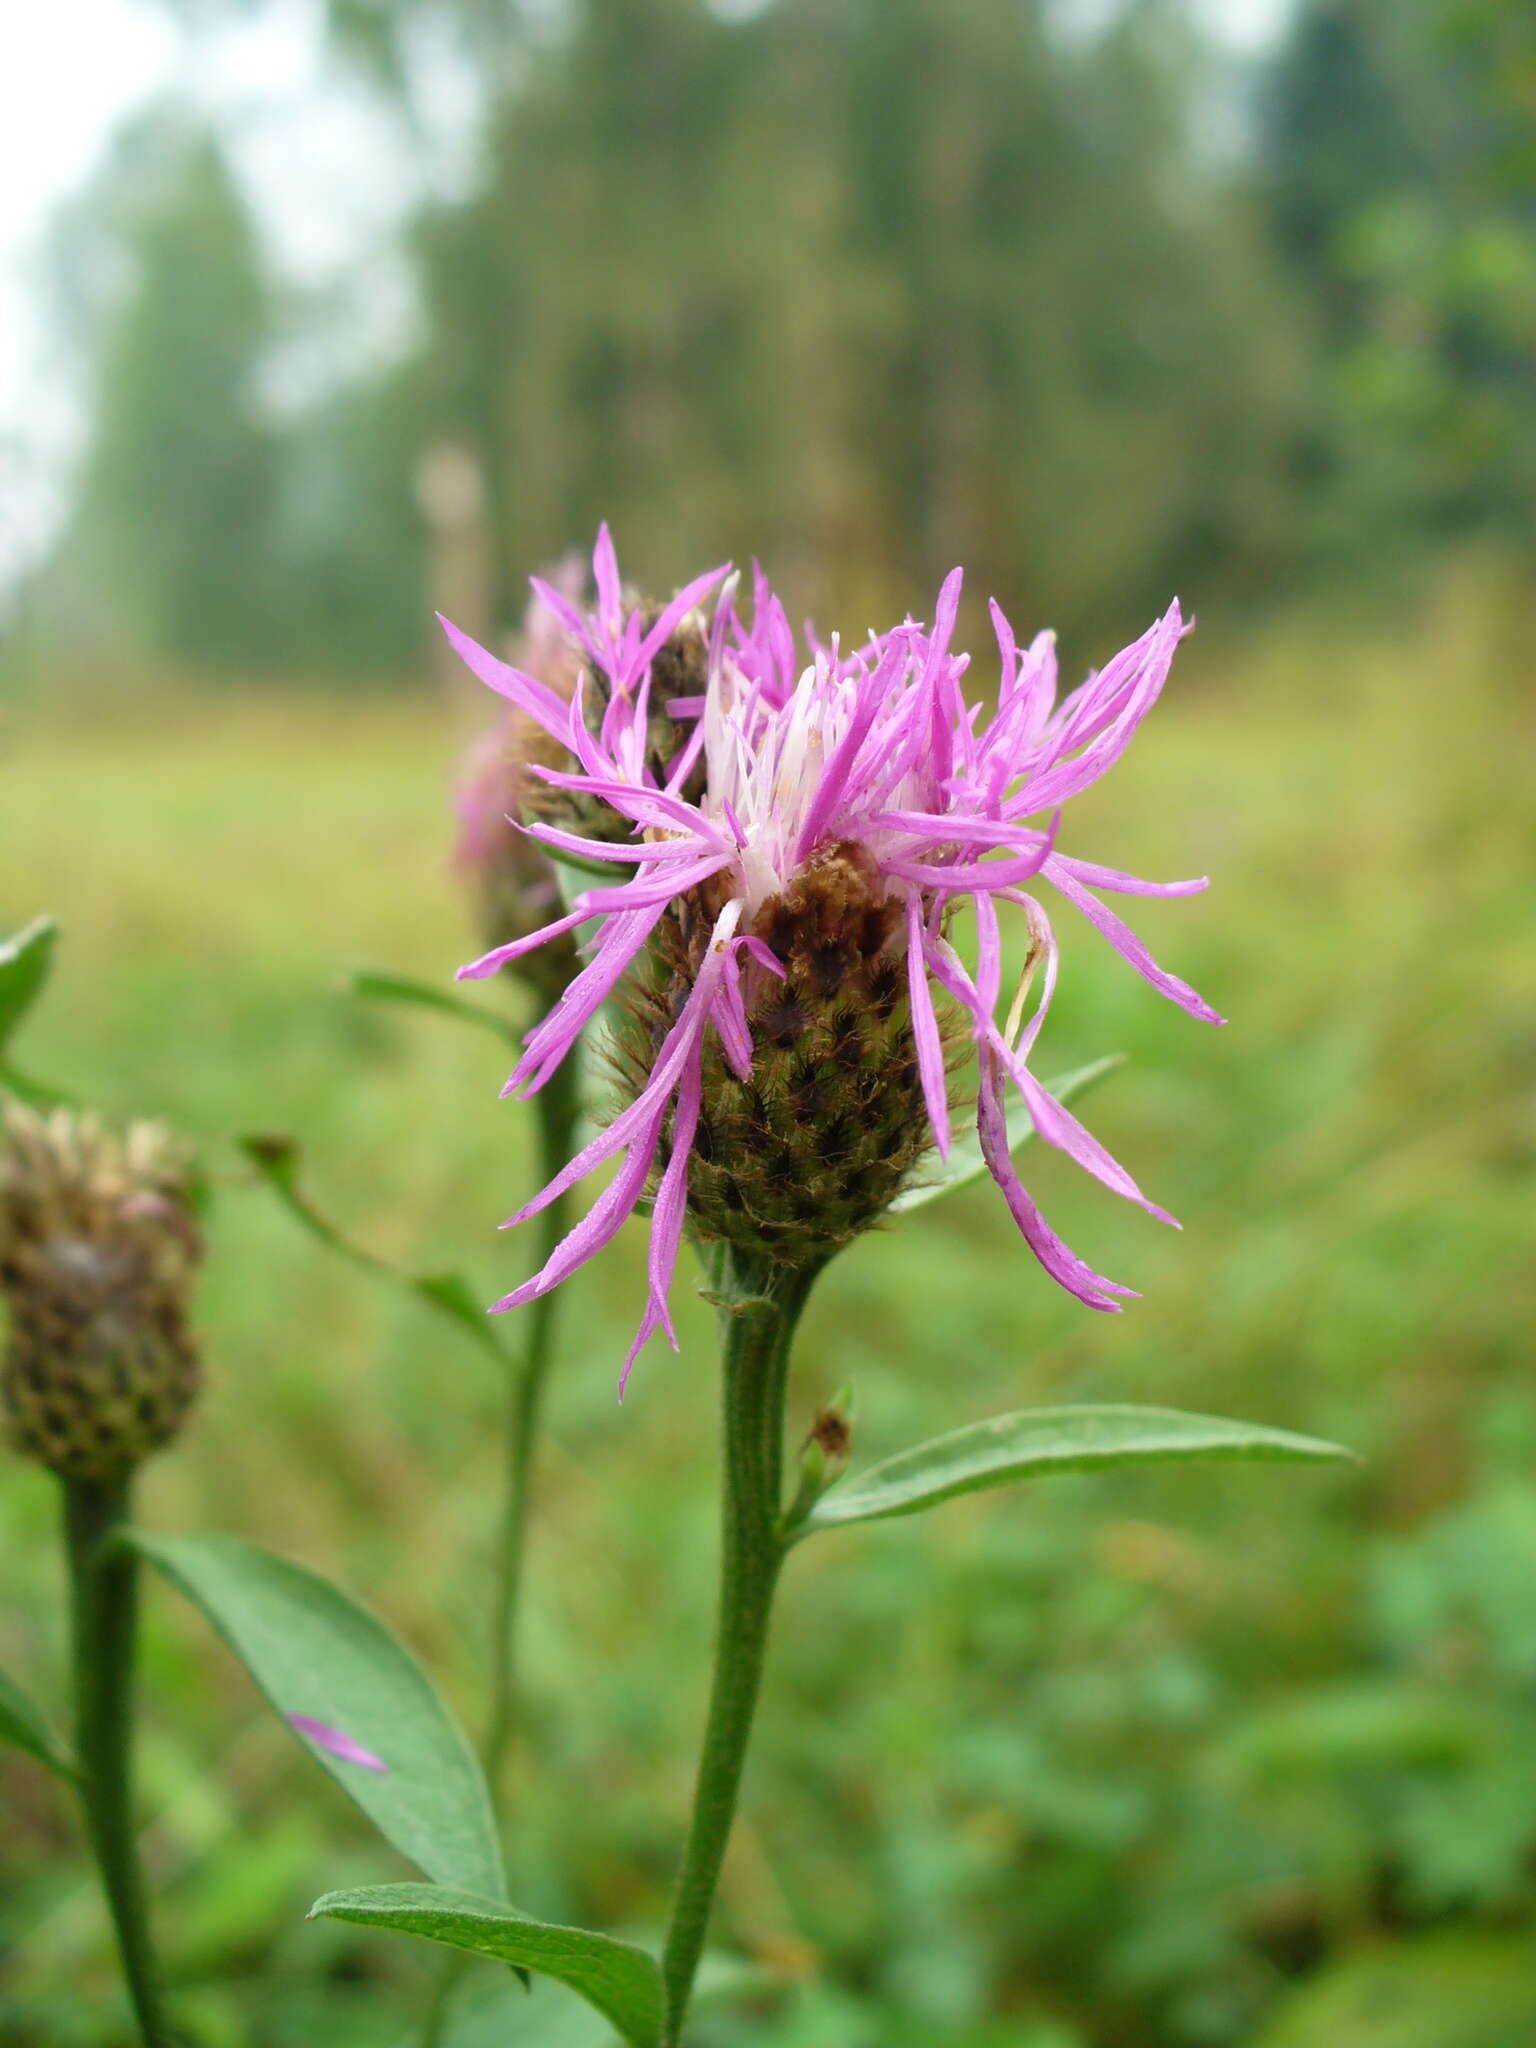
863,287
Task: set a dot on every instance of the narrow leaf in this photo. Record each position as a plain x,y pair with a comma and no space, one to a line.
276,1159
1038,1441
381,985
354,1696
22,1725
965,1162
40,1094
492,2011
25,961
584,863
621,1981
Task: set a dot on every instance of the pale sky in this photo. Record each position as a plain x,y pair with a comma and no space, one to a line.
327,181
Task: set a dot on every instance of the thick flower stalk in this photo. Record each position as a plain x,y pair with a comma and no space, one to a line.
99,1246
795,1001
514,883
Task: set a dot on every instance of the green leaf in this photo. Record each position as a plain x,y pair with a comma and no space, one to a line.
621,1981
965,1162
23,1726
380,985
276,1159
583,864
316,1654
489,2010
1038,1441
41,1094
492,2011
25,961
1454,1988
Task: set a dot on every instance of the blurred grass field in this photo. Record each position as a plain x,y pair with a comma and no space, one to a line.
1168,1761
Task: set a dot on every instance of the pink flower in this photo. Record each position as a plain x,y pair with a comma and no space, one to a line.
511,879
868,778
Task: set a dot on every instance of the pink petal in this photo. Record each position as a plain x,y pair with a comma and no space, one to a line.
526,692
1063,1264
330,1738
1125,942
925,1026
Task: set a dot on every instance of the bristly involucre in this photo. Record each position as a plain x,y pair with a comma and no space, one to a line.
795,1003
98,1249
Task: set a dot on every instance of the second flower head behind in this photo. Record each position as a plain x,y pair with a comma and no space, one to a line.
793,1006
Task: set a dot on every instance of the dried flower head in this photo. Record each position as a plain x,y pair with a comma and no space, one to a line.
783,948
98,1248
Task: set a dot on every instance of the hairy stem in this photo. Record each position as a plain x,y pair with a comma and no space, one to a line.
756,1340
558,1107
104,1595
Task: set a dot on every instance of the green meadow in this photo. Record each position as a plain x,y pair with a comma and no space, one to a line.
1171,1760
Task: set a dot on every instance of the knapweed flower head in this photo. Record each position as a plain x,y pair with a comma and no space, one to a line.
98,1249
795,1003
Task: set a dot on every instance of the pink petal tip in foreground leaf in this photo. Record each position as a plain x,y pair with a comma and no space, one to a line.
336,1742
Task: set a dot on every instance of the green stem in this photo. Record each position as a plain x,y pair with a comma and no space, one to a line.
558,1106
104,1592
755,1347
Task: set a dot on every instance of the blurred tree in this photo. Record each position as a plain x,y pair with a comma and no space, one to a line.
866,290
205,532
162,287
865,287
1402,177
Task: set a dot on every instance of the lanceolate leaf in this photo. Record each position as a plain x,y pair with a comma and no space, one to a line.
276,1159
490,2011
1042,1440
352,1694
621,1981
25,961
965,1162
23,1726
40,1094
380,984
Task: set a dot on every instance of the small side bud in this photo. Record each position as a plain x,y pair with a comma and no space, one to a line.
824,1456
511,878
832,1433
99,1244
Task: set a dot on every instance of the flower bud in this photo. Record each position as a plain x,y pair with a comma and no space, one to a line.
823,1456
832,1433
511,876
679,670
98,1247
